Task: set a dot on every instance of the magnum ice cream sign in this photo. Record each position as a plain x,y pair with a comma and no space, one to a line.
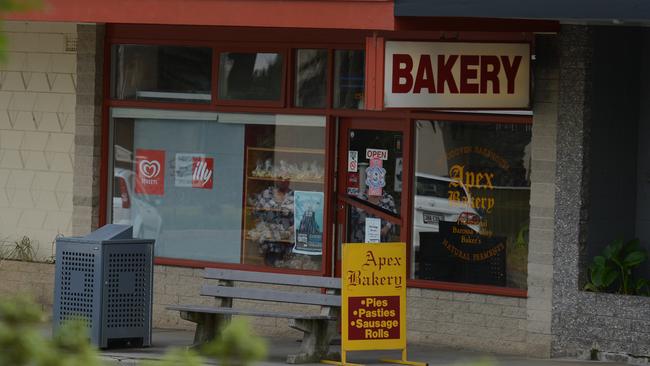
150,172
457,75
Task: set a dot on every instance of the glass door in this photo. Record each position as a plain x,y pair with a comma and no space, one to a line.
373,184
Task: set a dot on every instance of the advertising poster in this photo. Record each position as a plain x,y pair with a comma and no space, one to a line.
353,161
193,171
373,230
373,296
150,172
375,177
308,222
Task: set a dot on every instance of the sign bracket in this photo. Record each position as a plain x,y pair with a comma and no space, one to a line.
404,360
343,361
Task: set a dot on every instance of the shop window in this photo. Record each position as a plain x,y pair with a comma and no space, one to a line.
222,188
284,190
250,76
311,78
162,73
349,79
471,205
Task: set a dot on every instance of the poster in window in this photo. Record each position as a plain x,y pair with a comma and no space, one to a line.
375,177
150,172
308,222
193,171
373,230
398,174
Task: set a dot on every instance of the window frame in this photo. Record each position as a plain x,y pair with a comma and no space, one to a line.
230,38
443,285
107,197
216,66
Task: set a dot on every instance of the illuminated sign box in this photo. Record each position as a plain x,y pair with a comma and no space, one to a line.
457,75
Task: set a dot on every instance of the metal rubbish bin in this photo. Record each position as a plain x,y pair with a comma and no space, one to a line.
106,279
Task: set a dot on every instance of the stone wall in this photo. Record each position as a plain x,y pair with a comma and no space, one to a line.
584,321
88,128
471,321
32,279
38,82
542,196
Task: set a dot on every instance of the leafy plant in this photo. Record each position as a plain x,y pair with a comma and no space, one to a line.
614,267
176,357
236,345
22,343
21,250
8,6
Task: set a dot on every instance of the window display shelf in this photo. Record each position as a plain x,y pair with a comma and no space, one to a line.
264,209
279,241
278,179
293,150
272,176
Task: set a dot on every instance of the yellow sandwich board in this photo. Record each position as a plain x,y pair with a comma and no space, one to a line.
373,299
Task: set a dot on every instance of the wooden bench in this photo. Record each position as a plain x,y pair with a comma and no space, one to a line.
318,329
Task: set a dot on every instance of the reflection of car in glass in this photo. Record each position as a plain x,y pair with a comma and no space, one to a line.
433,204
129,210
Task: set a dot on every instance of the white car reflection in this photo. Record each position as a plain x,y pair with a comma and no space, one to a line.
432,205
129,210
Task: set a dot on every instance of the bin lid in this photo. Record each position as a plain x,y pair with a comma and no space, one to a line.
110,232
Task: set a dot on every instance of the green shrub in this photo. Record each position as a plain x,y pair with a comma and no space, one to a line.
612,271
236,345
22,342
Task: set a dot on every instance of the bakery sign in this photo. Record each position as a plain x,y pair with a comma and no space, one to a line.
457,75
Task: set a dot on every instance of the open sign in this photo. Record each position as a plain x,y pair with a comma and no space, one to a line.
376,154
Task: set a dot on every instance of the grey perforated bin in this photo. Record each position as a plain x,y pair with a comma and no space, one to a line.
106,278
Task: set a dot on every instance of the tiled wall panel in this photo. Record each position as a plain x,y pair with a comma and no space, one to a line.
37,106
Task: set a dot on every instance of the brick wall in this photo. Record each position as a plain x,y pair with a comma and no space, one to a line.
35,280
37,114
177,285
90,56
542,197
472,321
584,322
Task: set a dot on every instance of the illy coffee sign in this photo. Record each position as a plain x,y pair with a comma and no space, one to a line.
202,171
457,75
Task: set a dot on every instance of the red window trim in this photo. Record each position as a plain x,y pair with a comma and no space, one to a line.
287,107
284,52
191,263
288,72
466,287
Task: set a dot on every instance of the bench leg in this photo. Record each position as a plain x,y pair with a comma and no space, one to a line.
316,340
207,326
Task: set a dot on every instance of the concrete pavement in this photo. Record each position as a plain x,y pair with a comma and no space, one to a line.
279,348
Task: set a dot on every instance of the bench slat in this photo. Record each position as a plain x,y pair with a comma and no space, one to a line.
271,295
272,278
231,311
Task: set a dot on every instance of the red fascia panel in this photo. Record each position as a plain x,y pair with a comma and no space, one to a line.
358,14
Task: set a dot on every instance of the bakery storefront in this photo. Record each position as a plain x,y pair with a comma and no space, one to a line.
237,148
